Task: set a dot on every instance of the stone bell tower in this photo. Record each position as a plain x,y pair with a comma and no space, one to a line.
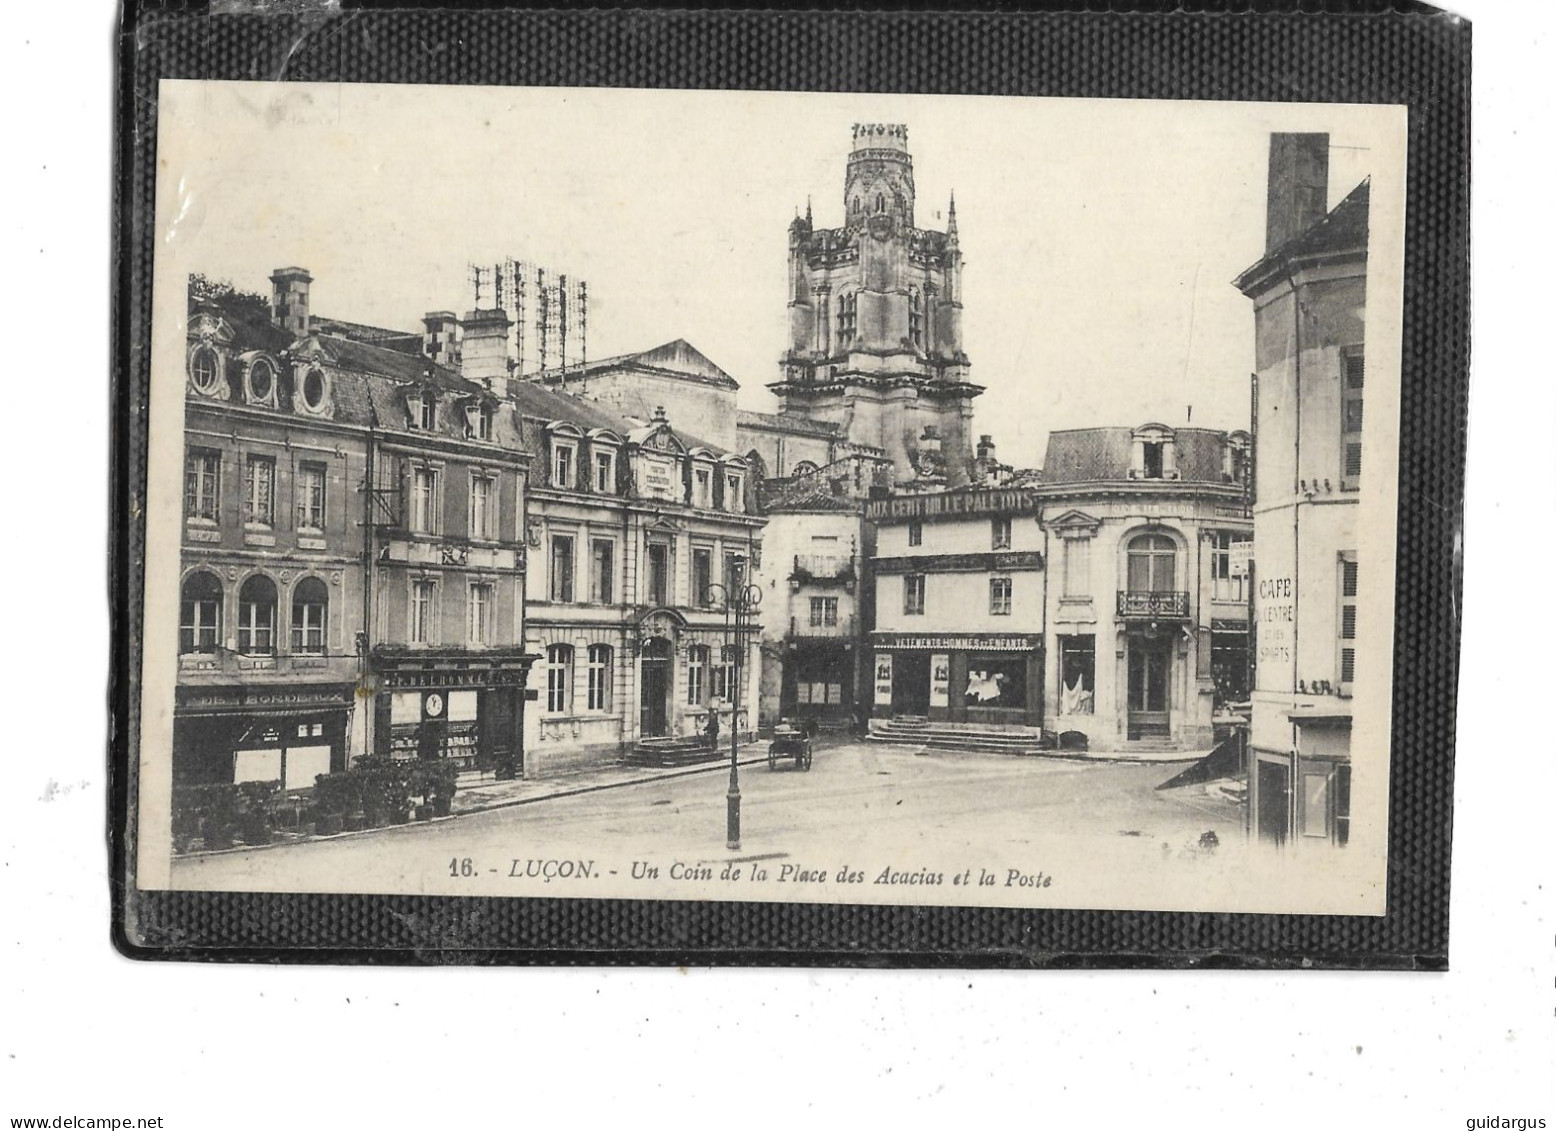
875,341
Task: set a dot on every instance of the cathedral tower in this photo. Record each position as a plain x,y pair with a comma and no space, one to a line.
875,342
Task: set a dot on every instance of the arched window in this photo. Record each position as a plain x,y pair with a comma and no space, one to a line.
1153,562
310,613
915,316
804,467
696,674
427,411
880,202
257,616
599,677
204,369
559,678
200,614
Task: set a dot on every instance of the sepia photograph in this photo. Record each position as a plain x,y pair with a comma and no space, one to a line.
785,497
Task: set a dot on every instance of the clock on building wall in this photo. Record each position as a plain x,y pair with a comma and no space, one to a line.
432,705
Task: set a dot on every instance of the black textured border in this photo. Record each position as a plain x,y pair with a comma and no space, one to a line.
1367,51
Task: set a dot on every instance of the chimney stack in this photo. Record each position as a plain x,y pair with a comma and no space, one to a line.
440,337
1299,186
289,299
484,350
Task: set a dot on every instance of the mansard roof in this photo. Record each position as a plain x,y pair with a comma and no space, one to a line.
1094,455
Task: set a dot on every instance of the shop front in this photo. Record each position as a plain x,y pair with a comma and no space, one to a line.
818,680
985,679
1302,797
285,733
467,707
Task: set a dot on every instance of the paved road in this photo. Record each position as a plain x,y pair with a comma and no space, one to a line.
857,798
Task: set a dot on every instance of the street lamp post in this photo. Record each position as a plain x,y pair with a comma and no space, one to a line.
740,605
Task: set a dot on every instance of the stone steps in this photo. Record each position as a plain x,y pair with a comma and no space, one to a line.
673,752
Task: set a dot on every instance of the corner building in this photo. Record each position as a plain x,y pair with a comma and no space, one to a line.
1309,295
1146,616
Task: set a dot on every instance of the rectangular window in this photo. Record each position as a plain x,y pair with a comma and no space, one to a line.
999,596
1315,804
1000,536
696,673
480,614
1154,459
733,501
599,677
602,580
1353,376
913,594
562,567
1077,567
424,500
562,465
823,612
702,577
605,473
658,573
1224,586
202,484
311,478
722,681
915,533
259,490
1077,674
559,678
424,611
702,488
199,625
307,627
482,514
1347,625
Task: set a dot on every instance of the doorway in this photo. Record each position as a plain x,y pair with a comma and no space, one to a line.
654,721
1273,812
910,683
1150,667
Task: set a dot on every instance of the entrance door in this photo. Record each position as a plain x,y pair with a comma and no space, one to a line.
654,719
1273,815
910,683
1150,664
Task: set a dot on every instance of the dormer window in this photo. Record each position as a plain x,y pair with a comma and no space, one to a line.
1153,459
734,501
563,460
479,419
426,416
1154,455
262,382
316,389
702,487
605,473
204,370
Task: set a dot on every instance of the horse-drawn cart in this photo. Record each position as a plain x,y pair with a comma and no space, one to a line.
789,741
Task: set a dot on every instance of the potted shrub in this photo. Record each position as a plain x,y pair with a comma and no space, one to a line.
439,781
329,803
219,824
256,824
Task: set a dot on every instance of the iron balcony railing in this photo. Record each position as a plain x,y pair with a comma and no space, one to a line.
813,568
1155,605
845,625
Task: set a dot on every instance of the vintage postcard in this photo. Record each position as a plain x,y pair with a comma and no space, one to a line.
819,498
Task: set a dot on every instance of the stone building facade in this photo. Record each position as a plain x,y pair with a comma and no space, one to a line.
958,609
1145,617
1309,299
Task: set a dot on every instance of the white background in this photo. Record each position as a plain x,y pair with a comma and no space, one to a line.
85,1032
